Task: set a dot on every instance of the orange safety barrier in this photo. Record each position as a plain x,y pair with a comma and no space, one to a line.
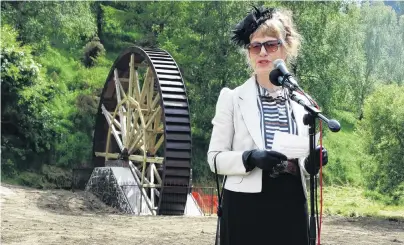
207,203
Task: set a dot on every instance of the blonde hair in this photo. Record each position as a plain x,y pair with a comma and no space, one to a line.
281,26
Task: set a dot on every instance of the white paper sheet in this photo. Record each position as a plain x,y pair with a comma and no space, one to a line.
292,146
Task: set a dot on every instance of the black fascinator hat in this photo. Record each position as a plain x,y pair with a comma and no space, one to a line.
250,23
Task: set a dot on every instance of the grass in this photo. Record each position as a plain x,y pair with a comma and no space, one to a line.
351,202
345,192
70,71
30,179
345,153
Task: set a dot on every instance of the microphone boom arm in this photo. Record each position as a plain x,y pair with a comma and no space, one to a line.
333,124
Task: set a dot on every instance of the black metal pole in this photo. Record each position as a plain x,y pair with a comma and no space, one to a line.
334,126
309,119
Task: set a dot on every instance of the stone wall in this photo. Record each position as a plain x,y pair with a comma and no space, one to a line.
104,184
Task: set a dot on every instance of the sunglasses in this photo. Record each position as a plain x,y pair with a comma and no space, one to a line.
270,46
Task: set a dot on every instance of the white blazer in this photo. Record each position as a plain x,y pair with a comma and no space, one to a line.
236,128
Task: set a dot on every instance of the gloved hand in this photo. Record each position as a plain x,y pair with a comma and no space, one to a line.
262,159
317,160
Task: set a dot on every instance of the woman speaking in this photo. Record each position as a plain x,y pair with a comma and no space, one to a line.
264,196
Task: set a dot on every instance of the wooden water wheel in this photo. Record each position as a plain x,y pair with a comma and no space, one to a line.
143,120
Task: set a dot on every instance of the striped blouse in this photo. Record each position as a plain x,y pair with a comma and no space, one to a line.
276,114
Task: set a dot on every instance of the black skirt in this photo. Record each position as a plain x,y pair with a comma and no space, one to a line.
276,216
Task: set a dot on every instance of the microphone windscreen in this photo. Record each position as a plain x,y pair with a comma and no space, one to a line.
274,77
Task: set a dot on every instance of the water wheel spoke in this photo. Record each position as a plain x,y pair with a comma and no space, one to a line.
159,142
133,90
121,110
146,85
115,133
156,174
143,191
152,117
109,116
155,101
138,136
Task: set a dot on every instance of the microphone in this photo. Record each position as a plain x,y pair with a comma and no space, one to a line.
280,76
278,79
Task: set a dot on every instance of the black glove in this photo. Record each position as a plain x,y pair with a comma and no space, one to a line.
262,159
316,160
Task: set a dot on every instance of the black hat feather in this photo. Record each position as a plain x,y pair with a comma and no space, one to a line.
250,23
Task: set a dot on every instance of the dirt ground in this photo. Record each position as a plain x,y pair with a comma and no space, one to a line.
30,216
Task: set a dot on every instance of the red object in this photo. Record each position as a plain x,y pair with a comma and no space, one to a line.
206,202
321,181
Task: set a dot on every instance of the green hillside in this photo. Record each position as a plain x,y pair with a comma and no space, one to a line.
55,58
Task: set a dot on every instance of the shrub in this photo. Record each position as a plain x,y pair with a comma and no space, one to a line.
92,51
383,134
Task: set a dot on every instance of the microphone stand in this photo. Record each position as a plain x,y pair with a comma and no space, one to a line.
310,119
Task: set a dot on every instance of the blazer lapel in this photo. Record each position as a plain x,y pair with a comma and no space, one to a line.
249,109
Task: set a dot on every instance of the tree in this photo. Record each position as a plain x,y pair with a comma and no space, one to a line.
382,131
26,124
199,40
317,65
62,24
378,23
